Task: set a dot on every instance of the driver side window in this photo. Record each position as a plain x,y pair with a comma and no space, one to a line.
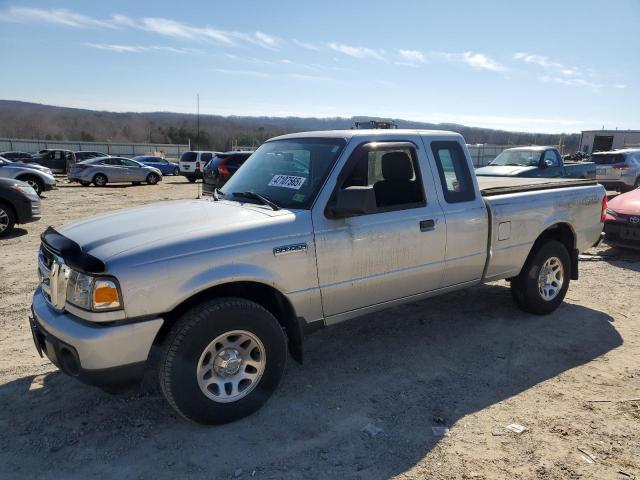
392,173
552,156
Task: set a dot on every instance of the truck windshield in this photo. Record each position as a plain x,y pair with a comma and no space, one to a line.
524,158
287,172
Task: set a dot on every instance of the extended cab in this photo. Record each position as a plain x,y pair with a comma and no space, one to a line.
58,161
544,162
314,229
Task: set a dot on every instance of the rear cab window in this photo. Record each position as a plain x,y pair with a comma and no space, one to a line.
453,170
607,158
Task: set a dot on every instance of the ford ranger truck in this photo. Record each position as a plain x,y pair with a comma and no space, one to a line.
314,229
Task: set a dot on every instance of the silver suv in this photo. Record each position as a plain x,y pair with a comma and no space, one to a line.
618,169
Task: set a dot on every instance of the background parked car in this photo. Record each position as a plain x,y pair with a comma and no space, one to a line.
87,154
39,180
15,156
58,161
220,169
622,223
101,171
618,169
536,161
19,203
165,166
33,166
192,164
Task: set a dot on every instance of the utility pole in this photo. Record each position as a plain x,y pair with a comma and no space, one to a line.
198,121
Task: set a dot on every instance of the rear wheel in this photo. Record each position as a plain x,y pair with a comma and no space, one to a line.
541,286
222,360
100,180
153,178
7,219
191,179
85,184
176,171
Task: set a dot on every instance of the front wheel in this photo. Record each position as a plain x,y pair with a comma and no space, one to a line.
222,360
7,219
34,183
543,282
152,179
176,171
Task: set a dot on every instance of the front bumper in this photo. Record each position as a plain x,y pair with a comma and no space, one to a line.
112,355
621,234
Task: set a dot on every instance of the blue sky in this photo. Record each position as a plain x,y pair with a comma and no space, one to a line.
545,66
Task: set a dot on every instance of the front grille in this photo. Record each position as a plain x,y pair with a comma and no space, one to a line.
53,275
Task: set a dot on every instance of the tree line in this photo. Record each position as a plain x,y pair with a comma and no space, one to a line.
35,121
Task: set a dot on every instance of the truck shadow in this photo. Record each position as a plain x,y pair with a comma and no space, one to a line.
403,370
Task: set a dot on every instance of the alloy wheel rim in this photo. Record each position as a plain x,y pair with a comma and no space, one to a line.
4,220
231,366
551,278
33,184
100,180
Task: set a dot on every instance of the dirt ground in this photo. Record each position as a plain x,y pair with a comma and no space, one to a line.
467,361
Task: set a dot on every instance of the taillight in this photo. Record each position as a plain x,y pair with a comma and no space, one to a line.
621,166
197,166
603,213
223,171
82,166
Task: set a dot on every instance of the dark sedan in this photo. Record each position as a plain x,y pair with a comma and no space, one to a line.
19,203
221,168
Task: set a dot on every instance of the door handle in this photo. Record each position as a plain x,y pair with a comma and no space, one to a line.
427,225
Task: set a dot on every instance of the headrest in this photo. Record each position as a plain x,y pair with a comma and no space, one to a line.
396,166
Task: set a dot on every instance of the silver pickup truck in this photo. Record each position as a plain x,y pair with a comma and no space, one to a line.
315,228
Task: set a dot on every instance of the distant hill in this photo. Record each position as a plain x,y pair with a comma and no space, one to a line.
37,121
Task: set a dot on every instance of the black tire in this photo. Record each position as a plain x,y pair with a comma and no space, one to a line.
176,171
34,182
191,179
136,183
153,178
7,219
85,184
525,289
188,341
100,180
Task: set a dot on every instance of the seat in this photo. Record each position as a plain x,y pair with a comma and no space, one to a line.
399,185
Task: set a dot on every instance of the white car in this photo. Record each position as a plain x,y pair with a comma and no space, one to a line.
192,164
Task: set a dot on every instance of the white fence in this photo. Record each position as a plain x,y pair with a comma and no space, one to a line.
119,149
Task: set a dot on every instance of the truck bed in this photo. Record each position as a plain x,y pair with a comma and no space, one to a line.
490,186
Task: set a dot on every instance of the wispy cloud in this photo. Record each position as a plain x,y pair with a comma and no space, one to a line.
140,48
158,25
620,86
475,60
357,52
56,16
412,56
307,45
558,72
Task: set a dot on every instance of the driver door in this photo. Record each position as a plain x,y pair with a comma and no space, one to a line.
395,252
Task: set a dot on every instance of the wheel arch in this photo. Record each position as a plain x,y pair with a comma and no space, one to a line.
264,295
563,233
25,175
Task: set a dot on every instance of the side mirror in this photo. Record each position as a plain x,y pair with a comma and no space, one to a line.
547,163
353,201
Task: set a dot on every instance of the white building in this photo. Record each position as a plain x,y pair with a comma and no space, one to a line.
605,140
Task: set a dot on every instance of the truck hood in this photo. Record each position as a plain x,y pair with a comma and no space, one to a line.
504,170
163,225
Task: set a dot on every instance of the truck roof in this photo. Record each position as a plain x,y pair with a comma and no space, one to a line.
620,150
535,148
347,134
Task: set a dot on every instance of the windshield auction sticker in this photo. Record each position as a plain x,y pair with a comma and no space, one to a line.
287,181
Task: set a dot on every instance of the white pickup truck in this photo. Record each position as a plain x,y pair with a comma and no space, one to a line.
315,228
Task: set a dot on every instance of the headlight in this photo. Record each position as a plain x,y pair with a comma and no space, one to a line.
93,293
29,192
